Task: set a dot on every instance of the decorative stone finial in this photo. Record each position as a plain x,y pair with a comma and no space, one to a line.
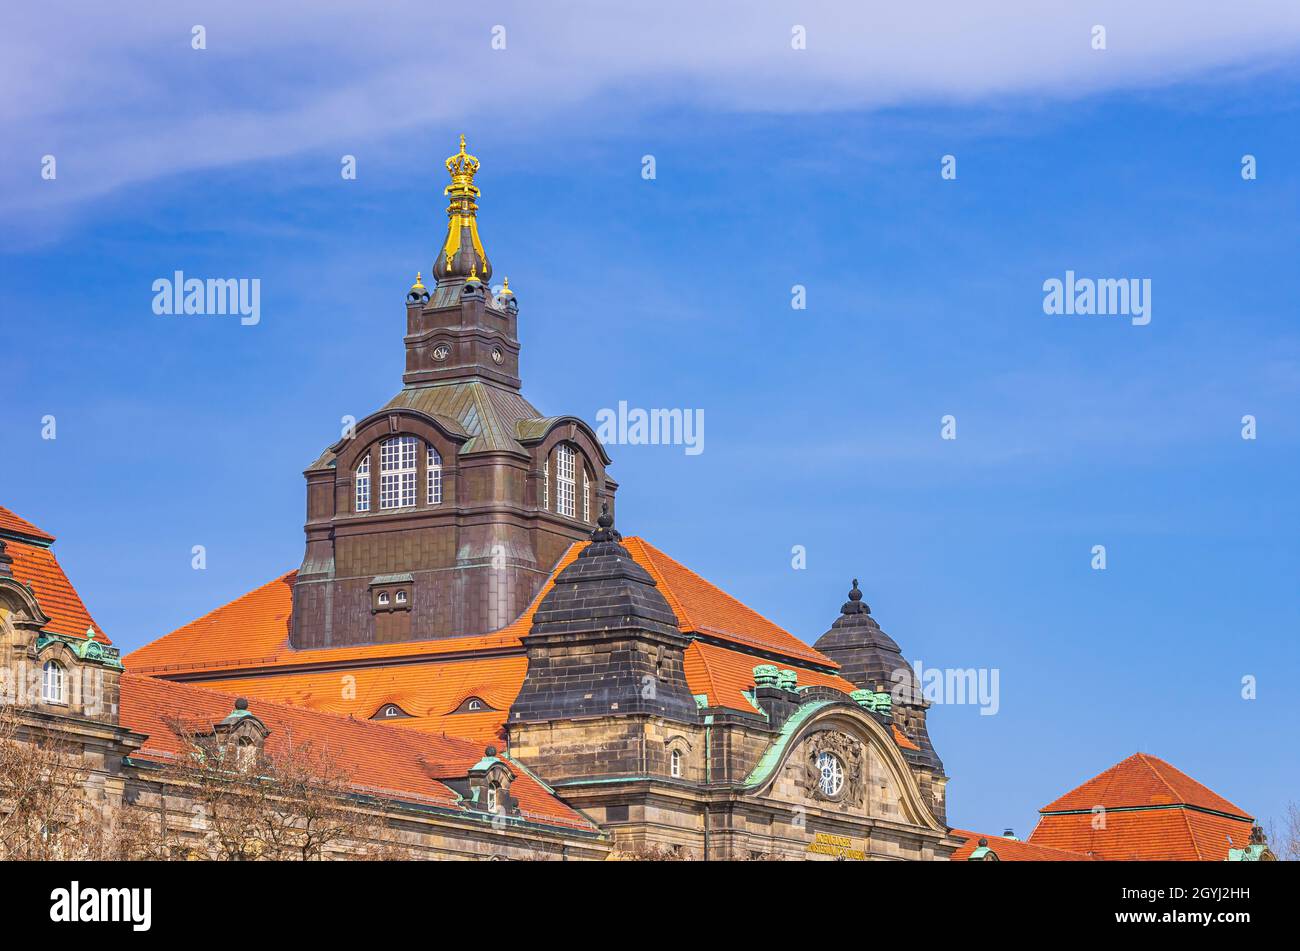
490,751
855,604
418,293
241,703
604,531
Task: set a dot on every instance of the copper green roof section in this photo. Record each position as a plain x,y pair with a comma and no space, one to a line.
487,414
776,752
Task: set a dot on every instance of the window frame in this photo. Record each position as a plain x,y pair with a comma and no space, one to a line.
361,485
566,480
433,476
52,674
398,472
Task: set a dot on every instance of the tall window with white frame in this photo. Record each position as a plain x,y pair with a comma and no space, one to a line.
433,468
362,496
586,495
52,688
565,482
546,484
675,764
397,472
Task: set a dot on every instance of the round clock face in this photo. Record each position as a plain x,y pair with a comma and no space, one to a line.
441,352
497,355
832,774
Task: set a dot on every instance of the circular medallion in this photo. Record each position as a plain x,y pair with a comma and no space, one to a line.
497,355
441,352
832,774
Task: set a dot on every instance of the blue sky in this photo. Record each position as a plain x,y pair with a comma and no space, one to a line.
822,425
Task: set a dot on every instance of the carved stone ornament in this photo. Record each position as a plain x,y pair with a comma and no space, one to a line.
850,777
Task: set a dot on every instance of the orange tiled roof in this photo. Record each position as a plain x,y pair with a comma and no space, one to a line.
706,609
429,692
253,630
397,763
1177,833
12,523
1012,850
723,675
34,564
1152,810
902,740
1142,780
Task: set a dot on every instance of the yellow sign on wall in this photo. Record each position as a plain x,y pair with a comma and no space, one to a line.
839,846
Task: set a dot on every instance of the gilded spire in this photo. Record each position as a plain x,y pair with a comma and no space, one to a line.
462,251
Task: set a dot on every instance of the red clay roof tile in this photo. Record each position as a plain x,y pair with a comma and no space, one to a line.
379,758
1142,780
34,564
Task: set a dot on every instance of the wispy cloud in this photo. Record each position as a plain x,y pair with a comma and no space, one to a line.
118,95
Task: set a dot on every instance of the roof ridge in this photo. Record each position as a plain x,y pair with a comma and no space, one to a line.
1155,771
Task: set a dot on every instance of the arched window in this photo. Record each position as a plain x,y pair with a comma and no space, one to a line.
383,597
433,483
476,705
493,795
397,472
52,683
586,495
363,486
675,764
401,597
565,482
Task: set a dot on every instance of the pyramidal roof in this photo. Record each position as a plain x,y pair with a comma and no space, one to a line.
1142,780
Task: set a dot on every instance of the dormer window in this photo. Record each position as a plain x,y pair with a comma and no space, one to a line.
390,711
52,683
493,796
383,597
433,479
565,481
473,704
397,472
401,597
362,496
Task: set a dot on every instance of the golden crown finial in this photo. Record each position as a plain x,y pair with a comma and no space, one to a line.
505,288
473,275
463,167
419,282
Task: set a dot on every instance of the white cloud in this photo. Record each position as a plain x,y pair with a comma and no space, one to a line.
116,93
